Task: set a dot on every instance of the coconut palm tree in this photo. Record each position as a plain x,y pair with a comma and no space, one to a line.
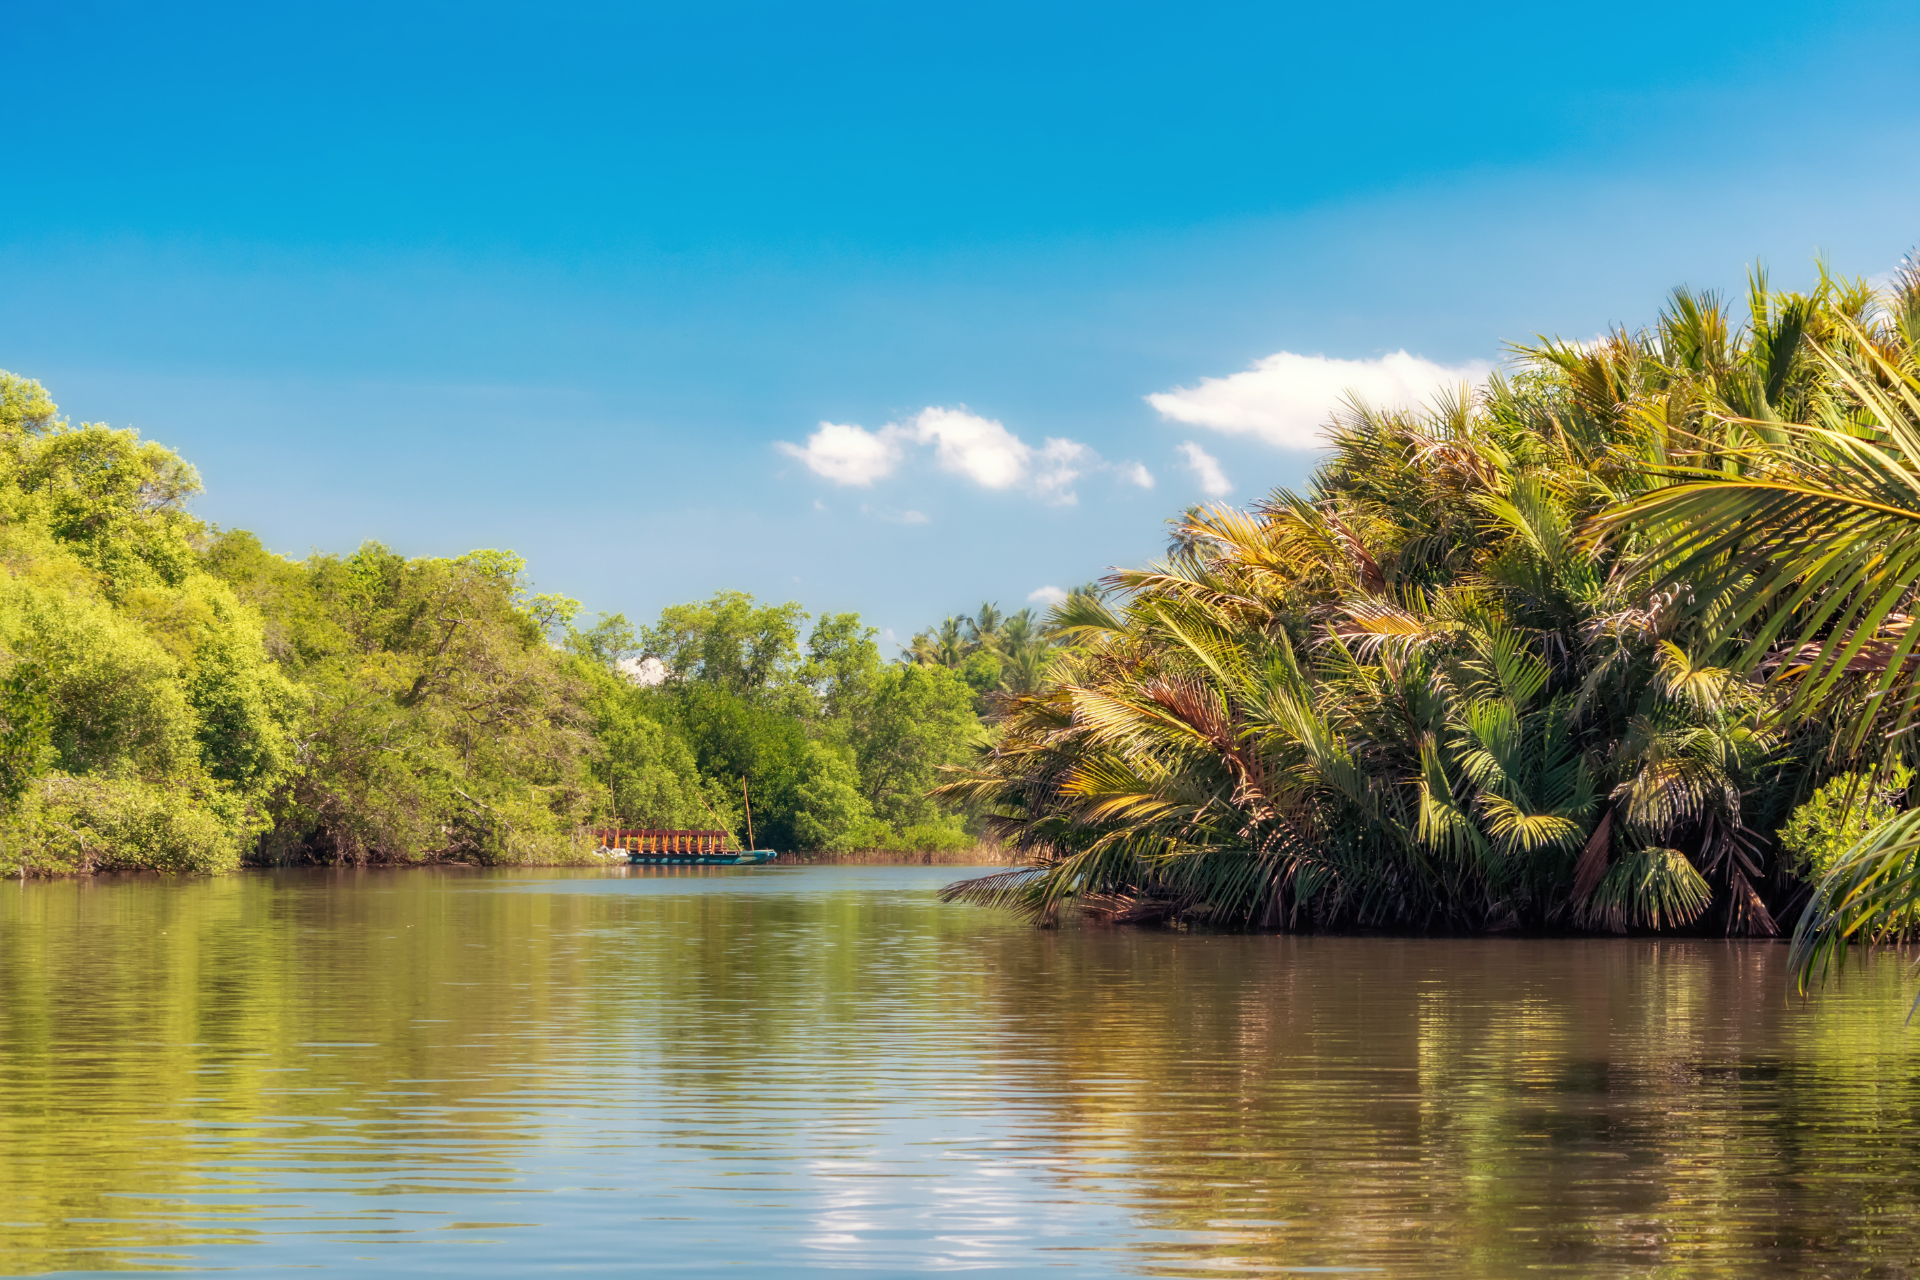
945,646
983,629
1026,653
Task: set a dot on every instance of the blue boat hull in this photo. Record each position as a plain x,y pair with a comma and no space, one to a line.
751,858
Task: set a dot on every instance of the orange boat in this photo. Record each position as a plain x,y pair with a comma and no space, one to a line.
654,847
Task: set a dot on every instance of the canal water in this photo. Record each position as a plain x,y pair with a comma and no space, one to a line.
787,1070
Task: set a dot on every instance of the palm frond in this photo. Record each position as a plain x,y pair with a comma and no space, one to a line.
1649,889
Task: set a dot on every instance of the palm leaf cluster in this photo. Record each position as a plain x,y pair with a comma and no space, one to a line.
1798,541
999,652
1459,682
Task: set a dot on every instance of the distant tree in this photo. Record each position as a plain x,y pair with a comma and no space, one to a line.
730,641
918,720
983,629
610,641
842,665
1183,538
827,810
435,717
992,651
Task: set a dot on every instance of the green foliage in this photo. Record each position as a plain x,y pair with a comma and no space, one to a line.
1649,889
178,697
842,666
25,742
828,811
1838,816
437,720
26,410
993,652
945,836
982,670
147,725
1422,694
730,643
652,776
117,502
743,742
834,748
913,722
610,641
1782,516
122,823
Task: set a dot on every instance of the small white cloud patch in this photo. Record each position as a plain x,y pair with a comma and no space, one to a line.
846,454
1046,595
1286,398
1059,465
1206,469
979,449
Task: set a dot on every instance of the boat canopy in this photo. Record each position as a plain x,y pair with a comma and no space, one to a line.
662,840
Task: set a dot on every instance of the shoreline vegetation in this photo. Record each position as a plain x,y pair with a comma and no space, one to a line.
985,854
175,697
1619,642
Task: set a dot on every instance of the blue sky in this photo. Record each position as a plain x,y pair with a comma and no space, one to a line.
565,278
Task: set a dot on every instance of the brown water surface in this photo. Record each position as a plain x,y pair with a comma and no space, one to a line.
791,1069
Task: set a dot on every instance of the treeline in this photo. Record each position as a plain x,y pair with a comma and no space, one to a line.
994,652
833,747
175,696
1620,641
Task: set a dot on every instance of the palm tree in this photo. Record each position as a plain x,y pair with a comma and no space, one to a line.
1026,651
1798,544
1180,538
950,642
983,629
1413,695
946,646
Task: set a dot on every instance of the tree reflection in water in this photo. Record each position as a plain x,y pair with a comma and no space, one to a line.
824,1067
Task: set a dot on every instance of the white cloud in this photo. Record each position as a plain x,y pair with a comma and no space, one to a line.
1285,399
965,444
1060,464
1046,595
980,449
1206,469
847,454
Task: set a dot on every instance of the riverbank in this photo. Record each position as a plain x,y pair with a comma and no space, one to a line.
979,855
